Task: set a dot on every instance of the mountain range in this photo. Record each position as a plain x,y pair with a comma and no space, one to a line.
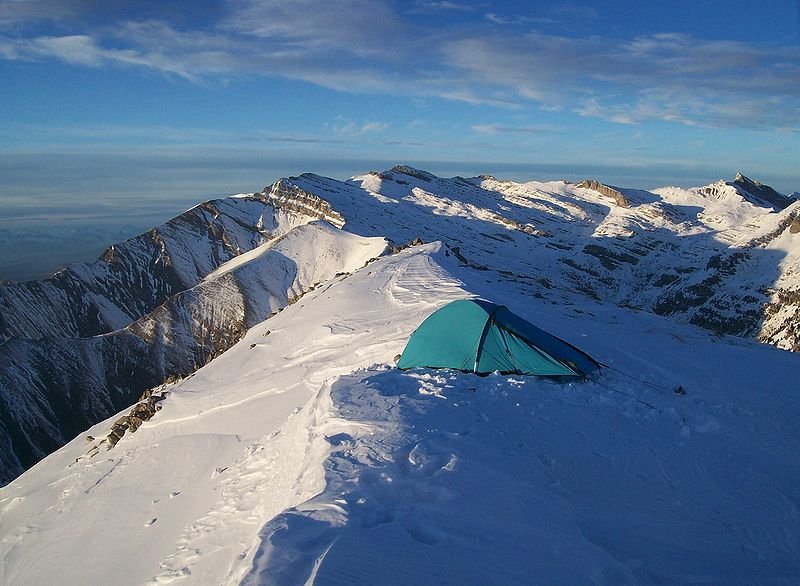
88,341
226,392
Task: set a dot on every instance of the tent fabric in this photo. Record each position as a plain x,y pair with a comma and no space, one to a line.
478,336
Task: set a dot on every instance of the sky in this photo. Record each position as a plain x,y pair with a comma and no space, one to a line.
124,113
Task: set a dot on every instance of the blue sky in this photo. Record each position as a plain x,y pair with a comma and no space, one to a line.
170,100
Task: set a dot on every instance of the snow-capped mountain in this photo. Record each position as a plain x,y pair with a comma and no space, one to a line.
54,384
721,256
91,339
299,454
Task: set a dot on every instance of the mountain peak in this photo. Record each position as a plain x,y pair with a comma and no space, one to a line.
412,172
762,193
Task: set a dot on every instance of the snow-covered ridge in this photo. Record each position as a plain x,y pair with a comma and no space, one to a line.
168,301
134,277
304,457
717,256
53,388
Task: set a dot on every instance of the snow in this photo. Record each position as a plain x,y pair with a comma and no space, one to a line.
301,455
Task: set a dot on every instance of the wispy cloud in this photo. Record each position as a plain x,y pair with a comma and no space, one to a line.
506,20
666,77
430,5
506,129
370,46
86,51
350,128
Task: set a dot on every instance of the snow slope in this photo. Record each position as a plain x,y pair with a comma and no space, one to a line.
52,389
302,456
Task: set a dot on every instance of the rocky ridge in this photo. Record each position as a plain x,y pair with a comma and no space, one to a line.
85,343
51,388
728,266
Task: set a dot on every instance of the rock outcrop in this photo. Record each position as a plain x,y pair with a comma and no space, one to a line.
607,191
284,195
762,192
142,411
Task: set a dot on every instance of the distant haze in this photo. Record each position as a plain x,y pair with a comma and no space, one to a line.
64,208
117,115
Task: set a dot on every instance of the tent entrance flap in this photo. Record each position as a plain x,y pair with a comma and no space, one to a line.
486,328
507,352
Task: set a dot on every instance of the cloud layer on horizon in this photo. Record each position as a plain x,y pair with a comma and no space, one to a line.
375,46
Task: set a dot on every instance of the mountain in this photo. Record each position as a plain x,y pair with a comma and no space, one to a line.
272,433
54,384
717,256
88,341
761,193
302,456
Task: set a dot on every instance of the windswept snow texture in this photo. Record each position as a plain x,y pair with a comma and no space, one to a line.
303,456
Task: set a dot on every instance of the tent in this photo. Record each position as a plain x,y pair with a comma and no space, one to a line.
478,336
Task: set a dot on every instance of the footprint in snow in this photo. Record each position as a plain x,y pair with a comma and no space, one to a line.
12,503
337,329
151,521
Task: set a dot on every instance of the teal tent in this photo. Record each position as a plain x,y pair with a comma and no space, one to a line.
474,335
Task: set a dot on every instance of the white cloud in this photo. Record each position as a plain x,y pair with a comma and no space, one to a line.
85,51
73,49
368,46
354,27
351,128
507,129
445,5
666,77
373,127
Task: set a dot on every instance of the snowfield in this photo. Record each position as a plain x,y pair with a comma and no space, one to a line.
301,455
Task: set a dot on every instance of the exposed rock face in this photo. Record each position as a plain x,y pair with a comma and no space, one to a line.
412,172
606,190
782,320
762,192
283,194
143,411
610,259
790,222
